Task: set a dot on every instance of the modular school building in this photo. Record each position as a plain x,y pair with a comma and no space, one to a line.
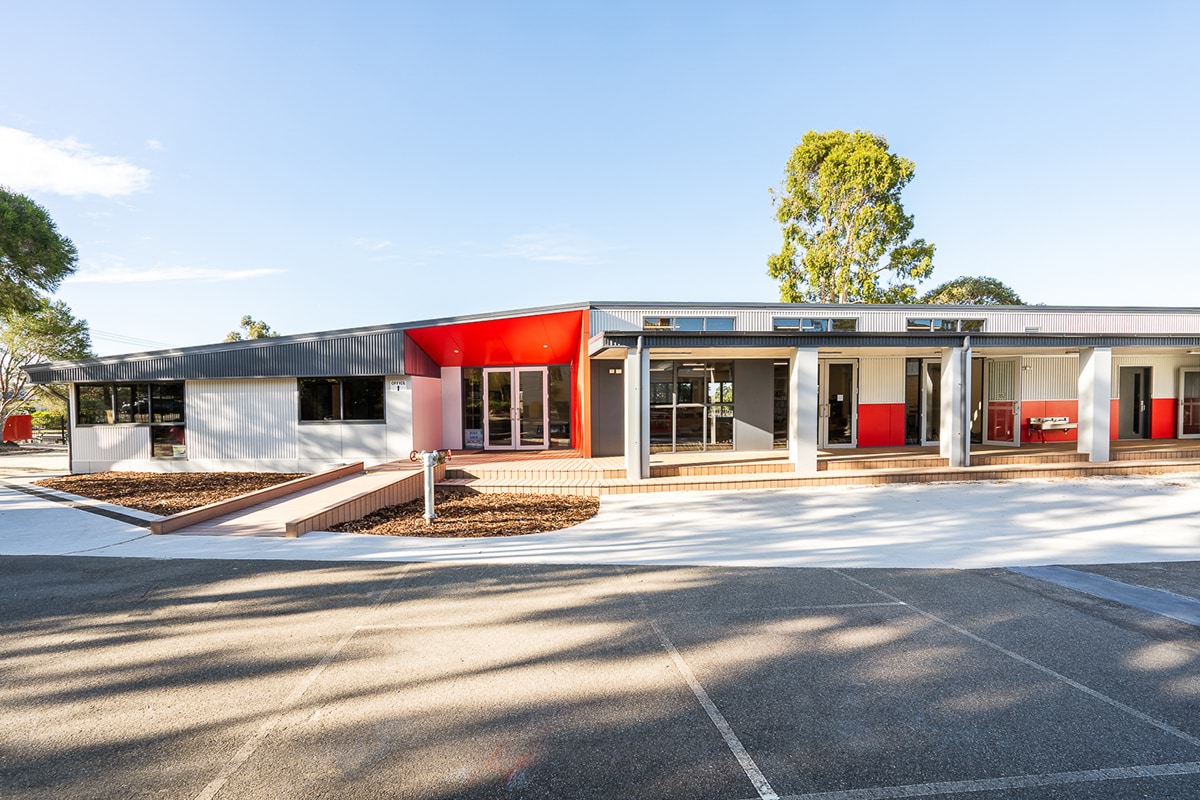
631,379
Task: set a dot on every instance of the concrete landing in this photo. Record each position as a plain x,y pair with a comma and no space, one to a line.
271,518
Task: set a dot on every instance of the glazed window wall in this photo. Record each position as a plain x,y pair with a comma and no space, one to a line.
691,406
159,405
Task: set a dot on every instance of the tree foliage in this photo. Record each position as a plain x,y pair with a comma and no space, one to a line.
34,256
845,231
48,333
974,291
251,329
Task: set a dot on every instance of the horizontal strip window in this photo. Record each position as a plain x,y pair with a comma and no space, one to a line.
129,404
690,324
945,325
341,400
805,325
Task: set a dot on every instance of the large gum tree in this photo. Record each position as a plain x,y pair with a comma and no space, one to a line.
846,236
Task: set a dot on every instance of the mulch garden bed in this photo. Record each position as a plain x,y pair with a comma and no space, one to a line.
478,515
164,493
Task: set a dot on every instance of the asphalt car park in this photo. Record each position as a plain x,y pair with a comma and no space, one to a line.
249,679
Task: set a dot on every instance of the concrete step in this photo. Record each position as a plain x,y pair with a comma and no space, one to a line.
781,480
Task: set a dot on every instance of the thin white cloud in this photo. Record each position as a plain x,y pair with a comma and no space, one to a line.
374,245
556,248
160,274
64,166
155,144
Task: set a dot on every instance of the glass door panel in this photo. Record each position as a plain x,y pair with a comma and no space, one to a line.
1189,404
840,404
933,402
532,408
1003,402
497,420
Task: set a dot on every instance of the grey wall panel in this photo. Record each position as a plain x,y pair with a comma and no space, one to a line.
608,408
754,404
362,354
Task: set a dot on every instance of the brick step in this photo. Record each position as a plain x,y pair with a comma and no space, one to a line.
835,478
903,462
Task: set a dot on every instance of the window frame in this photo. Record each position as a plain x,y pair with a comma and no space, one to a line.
655,324
815,324
113,389
978,325
340,382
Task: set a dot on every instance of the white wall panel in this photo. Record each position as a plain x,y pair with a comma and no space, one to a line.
110,443
885,319
452,387
1164,374
1050,378
881,380
427,413
398,399
242,419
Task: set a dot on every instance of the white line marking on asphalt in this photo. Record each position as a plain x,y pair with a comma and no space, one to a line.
1002,784
1089,691
753,610
246,750
761,785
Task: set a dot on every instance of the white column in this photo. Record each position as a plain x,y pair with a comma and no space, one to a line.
802,409
954,435
637,413
1095,402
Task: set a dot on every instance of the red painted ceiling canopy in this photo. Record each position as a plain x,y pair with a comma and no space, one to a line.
512,342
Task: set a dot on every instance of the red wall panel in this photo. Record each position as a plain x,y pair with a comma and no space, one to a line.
881,425
1114,420
1049,408
1162,418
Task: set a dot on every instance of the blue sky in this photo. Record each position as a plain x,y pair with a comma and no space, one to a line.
323,165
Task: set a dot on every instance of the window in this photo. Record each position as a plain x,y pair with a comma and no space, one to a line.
691,405
362,398
168,441
807,325
341,399
946,325
472,408
128,403
94,405
559,394
693,324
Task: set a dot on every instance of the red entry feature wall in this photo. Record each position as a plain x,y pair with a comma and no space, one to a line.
881,425
529,341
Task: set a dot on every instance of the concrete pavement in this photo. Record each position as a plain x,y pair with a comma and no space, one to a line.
1028,522
249,679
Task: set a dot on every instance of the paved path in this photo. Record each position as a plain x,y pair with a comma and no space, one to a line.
1028,522
271,518
250,680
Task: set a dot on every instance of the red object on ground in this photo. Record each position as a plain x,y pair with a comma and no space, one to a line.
18,428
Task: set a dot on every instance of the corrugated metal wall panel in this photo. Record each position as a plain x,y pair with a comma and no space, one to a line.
110,443
881,379
888,319
1001,380
242,419
1050,378
360,354
1164,375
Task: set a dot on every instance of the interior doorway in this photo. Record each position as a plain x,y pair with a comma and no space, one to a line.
515,413
1133,404
837,389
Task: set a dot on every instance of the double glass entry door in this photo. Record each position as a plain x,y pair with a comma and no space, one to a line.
515,409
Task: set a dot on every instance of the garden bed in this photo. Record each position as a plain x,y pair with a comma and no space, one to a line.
478,515
164,493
